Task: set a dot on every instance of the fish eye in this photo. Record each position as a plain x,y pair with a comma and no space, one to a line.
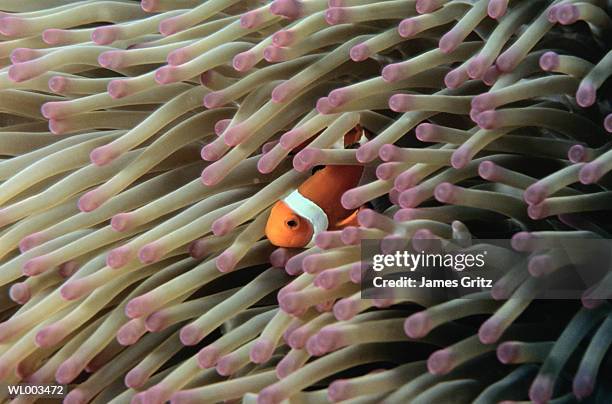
292,223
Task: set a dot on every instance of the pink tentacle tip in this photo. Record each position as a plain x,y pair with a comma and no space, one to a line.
251,19
20,72
135,378
567,14
339,97
149,6
508,60
388,152
49,335
367,217
507,352
282,92
223,225
31,241
150,253
274,54
54,36
37,265
401,102
226,262
212,175
21,55
449,41
20,293
411,197
483,102
456,77
324,107
385,171
105,35
236,134
586,94
535,193
270,395
266,163
497,8
67,371
157,321
522,241
408,27
418,325
13,26
460,157
345,309
539,211
190,335
157,394
577,153
441,362
178,56
446,192
490,331
307,158
101,156
122,221
352,199
591,172
489,171
327,279
208,357
290,9
119,256
392,73
130,333
171,25
326,240
491,75
167,74
339,390
337,15
552,14
261,351
367,152
488,119
477,67
58,84
426,6
72,290
360,52
291,302
76,396
244,61
138,306
111,59
540,265
583,385
608,123
549,61
355,273
215,100
90,201
118,88
541,389
406,214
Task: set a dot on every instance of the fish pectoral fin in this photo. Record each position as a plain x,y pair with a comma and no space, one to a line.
351,220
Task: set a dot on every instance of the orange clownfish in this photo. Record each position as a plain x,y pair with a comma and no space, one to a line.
315,206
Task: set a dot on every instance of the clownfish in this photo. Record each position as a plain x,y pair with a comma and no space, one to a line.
314,206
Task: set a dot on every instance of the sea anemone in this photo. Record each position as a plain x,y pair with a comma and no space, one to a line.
143,144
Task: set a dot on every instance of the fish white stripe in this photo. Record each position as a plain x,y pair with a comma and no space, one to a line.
309,211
